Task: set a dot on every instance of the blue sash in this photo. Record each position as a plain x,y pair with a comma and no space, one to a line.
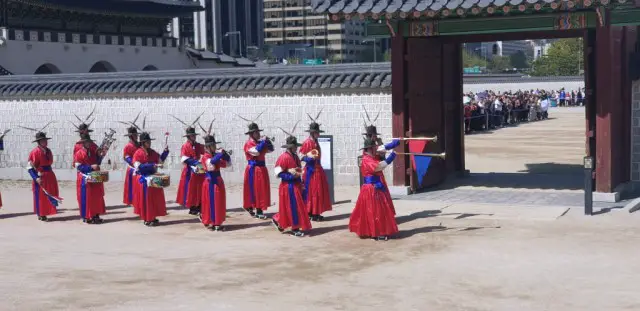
376,181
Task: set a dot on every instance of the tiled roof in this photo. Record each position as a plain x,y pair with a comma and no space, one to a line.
227,81
452,7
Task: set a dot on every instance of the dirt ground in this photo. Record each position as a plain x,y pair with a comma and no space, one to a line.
448,256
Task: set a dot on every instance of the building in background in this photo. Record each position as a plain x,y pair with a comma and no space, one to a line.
487,50
233,27
291,30
69,36
541,47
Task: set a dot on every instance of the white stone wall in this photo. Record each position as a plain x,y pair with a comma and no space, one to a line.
342,117
635,132
24,57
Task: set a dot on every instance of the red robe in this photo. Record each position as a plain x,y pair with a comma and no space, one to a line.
374,214
190,183
214,195
316,193
90,195
41,160
292,210
256,190
150,199
130,174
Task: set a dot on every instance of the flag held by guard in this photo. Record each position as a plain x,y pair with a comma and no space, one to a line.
420,162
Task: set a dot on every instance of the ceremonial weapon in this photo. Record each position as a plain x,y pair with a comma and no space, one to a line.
435,155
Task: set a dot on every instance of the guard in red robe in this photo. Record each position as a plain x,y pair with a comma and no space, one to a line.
189,189
374,214
371,132
316,187
150,199
292,212
214,195
45,184
130,174
256,191
90,194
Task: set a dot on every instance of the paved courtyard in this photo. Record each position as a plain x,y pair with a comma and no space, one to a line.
509,250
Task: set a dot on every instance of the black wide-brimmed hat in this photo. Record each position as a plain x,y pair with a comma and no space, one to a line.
144,137
85,138
291,142
369,143
253,127
84,127
41,136
210,140
190,131
314,127
371,130
132,131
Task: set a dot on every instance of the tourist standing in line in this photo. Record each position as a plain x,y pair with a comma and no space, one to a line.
190,187
374,213
256,190
316,186
90,194
214,195
151,200
292,212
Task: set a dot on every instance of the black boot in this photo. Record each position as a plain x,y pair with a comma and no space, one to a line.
43,218
198,210
260,215
277,225
193,211
97,220
250,211
297,233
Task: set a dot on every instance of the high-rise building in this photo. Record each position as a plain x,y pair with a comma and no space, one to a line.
233,27
291,30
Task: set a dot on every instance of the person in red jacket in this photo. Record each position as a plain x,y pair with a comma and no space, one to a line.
374,214
150,200
316,186
190,187
214,196
292,212
256,191
90,195
45,184
127,154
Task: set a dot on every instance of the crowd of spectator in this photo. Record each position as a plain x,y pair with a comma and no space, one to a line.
490,110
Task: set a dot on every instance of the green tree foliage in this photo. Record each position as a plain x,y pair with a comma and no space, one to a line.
519,60
472,60
564,58
387,55
499,64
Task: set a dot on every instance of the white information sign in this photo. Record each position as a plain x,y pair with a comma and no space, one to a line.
325,147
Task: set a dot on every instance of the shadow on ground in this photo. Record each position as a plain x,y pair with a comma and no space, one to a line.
536,176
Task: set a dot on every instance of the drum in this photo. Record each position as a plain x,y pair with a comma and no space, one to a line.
199,169
97,177
159,181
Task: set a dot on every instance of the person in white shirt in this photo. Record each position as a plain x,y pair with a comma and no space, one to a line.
544,107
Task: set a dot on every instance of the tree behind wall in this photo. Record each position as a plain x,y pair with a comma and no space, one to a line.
564,58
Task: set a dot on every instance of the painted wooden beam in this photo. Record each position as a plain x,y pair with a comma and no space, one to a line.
399,107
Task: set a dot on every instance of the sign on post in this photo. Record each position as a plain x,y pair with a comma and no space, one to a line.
315,61
326,147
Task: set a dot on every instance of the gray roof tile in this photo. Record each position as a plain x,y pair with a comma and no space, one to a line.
406,6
